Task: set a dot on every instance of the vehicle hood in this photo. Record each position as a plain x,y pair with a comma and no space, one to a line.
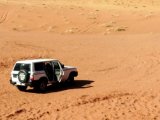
69,67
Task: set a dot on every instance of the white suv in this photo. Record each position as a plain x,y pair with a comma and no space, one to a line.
39,73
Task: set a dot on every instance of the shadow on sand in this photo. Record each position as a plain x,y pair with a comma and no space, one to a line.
78,84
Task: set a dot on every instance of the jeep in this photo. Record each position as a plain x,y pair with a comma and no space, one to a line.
38,73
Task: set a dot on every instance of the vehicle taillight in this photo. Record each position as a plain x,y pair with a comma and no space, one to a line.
32,77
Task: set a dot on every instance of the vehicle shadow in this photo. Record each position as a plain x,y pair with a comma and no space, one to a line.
78,84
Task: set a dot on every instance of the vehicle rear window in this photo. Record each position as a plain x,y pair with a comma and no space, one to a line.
22,66
39,66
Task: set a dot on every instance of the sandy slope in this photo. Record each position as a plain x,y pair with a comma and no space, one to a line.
114,44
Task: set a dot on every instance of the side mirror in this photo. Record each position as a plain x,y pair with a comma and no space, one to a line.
62,65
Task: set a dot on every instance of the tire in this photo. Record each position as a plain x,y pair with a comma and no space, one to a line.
41,86
22,88
70,79
23,76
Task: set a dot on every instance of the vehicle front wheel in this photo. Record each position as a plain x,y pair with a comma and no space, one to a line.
70,79
22,88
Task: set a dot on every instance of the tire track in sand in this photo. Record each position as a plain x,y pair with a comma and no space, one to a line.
3,17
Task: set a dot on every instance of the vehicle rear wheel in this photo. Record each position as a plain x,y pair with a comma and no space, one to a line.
22,88
41,86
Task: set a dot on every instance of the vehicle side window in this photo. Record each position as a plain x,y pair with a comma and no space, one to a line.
39,66
56,65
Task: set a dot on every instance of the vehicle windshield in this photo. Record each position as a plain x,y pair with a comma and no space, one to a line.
22,66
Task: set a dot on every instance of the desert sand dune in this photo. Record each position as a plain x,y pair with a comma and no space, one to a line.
114,44
64,19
